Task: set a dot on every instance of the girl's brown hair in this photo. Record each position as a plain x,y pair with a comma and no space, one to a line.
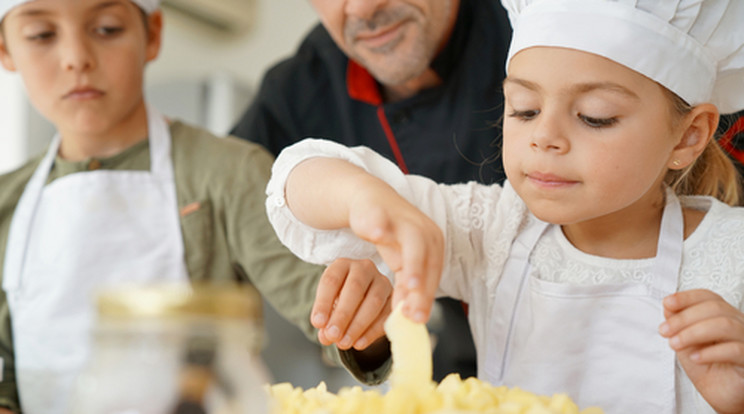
712,174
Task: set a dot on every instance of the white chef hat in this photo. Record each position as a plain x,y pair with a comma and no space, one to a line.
148,6
695,48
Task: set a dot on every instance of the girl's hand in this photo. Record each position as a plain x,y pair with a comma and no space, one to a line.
328,193
409,242
351,304
707,334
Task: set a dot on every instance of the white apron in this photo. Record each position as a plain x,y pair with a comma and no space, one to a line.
599,344
83,232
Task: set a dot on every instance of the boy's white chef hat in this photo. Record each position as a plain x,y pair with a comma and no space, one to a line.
148,6
695,48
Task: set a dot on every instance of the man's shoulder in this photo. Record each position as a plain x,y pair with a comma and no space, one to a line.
297,94
491,22
317,39
317,60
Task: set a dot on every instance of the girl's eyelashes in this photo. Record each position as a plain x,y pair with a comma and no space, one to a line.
593,122
590,121
524,115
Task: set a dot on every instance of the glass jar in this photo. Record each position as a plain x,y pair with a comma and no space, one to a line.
175,350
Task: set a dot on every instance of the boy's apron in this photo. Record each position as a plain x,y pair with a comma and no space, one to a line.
600,343
80,233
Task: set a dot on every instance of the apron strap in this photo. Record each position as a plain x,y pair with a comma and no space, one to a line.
512,284
23,217
160,144
669,249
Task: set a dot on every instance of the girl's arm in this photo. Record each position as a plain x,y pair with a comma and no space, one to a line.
327,193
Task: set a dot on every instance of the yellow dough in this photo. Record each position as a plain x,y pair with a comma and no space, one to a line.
410,346
412,390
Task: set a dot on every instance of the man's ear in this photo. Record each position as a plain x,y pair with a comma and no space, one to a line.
5,58
698,127
154,34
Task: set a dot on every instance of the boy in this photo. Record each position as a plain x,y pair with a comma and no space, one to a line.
121,196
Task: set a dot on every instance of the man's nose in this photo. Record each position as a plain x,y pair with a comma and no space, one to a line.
363,9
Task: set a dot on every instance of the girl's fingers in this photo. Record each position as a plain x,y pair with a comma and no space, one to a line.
419,308
400,290
422,261
725,353
435,265
374,304
375,226
718,329
695,313
328,289
412,246
414,274
684,299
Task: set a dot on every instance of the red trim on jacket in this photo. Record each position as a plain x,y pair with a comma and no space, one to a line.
363,87
726,140
391,139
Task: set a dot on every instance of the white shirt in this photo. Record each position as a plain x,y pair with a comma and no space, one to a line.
480,222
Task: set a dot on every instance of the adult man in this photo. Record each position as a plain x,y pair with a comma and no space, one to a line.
416,80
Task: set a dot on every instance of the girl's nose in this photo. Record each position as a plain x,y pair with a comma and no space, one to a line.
548,134
363,9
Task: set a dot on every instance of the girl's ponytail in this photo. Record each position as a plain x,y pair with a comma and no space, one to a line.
712,174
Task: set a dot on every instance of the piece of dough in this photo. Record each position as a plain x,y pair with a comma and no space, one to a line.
411,349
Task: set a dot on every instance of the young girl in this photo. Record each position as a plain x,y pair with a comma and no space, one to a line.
608,266
121,196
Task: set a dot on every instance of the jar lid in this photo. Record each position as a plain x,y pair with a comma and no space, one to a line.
226,301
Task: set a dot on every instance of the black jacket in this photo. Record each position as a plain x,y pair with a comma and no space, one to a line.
448,133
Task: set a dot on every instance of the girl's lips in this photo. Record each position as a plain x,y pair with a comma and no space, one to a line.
83,94
550,180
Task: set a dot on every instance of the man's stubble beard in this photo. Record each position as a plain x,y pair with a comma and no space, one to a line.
388,64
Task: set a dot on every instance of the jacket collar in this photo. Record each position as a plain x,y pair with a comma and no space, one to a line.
362,86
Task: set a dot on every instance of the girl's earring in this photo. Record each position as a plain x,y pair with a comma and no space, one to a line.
676,163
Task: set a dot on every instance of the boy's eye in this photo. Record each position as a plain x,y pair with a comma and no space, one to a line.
524,115
41,36
597,122
108,30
